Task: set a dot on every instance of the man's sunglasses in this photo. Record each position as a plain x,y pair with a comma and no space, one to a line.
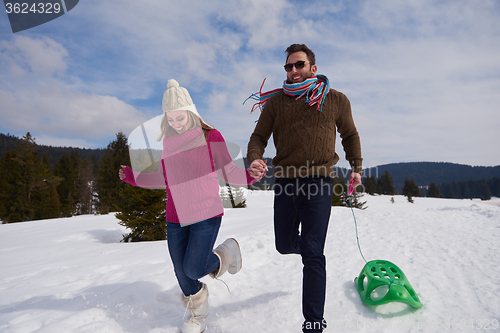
298,65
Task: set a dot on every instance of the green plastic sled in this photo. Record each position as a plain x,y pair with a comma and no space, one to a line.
379,273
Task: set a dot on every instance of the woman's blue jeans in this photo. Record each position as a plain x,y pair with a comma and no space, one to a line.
191,248
305,202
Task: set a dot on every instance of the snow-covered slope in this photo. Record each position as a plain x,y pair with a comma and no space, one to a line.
74,275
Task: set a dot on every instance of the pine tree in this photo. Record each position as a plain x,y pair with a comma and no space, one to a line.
45,200
466,191
67,168
494,185
410,189
484,191
433,191
240,197
85,187
108,184
386,184
371,186
456,192
13,199
232,196
140,210
354,200
143,212
341,196
28,189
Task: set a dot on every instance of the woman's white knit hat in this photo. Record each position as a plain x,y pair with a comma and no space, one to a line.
177,98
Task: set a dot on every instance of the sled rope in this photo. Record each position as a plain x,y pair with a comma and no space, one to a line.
356,227
351,190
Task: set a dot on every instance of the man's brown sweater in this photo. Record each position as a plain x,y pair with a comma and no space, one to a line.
305,137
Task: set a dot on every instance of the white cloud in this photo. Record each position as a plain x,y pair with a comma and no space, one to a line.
217,102
418,73
23,56
421,78
36,98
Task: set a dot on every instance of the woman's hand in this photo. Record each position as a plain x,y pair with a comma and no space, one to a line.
121,172
127,175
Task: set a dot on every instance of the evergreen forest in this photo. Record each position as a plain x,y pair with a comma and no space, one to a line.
42,182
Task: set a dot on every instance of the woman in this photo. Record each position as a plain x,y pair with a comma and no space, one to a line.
193,154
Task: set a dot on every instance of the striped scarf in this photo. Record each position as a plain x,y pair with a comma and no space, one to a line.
314,88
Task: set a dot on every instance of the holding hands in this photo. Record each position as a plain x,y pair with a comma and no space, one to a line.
258,169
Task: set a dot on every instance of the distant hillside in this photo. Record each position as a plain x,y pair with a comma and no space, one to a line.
425,173
10,142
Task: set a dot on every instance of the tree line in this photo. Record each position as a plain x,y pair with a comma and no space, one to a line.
471,189
53,154
425,173
33,188
482,189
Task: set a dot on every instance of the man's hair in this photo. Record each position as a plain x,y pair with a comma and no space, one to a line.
301,47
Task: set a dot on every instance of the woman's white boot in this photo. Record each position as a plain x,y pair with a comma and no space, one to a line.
197,304
229,256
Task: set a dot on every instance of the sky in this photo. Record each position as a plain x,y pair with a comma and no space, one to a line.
423,76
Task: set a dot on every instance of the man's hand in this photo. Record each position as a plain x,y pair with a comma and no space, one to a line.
258,169
357,179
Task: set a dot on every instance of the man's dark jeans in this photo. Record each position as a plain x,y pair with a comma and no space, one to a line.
306,202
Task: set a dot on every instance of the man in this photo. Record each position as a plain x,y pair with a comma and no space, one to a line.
303,118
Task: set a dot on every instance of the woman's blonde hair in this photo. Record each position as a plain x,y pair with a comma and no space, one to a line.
193,122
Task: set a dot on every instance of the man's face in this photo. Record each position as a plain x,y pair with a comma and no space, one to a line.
299,75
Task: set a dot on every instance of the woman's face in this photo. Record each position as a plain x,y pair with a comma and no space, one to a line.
178,120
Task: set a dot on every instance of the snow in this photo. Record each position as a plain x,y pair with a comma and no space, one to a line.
74,275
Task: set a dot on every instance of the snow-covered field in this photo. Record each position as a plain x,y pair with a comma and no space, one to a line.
74,275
